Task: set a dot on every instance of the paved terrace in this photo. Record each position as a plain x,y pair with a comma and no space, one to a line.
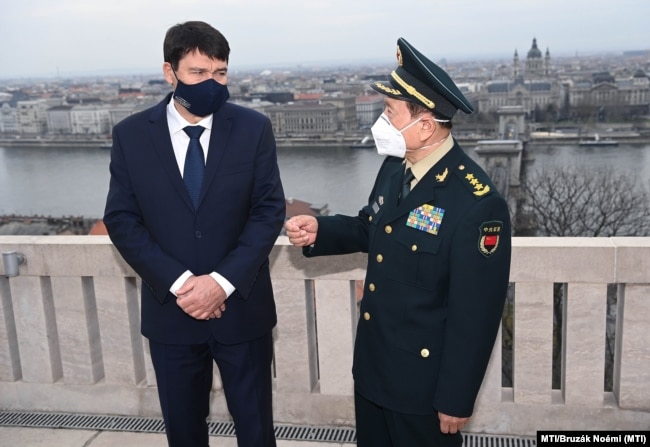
70,341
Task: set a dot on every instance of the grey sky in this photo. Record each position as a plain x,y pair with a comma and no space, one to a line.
68,37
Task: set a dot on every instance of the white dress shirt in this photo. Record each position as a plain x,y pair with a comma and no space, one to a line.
180,141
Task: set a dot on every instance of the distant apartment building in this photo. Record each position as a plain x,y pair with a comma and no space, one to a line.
308,118
530,94
346,110
623,93
58,120
118,113
8,119
90,120
369,107
32,115
86,120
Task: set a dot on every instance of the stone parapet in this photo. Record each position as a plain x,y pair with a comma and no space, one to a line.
70,338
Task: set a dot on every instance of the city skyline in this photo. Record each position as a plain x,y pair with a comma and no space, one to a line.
71,37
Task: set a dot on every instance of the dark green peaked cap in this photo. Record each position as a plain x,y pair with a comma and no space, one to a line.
419,80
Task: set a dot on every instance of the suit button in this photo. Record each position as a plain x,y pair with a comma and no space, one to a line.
371,287
366,316
414,247
198,234
380,258
424,353
388,229
369,218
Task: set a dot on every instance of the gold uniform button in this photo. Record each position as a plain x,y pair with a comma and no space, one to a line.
388,229
461,167
371,287
424,353
369,218
414,247
366,316
380,258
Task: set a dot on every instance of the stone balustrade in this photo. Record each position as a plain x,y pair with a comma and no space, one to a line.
70,340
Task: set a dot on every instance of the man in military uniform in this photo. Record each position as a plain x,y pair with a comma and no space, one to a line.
437,234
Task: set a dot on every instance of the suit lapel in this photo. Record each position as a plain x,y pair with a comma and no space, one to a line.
219,136
163,148
394,189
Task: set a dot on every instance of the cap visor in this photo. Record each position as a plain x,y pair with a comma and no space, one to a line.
388,89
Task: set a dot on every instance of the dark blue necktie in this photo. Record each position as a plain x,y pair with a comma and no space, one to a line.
194,163
406,186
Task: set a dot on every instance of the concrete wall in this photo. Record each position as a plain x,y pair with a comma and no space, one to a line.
70,341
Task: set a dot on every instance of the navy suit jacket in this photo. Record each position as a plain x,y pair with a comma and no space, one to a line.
151,221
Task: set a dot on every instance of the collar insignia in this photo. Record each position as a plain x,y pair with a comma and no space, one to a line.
441,177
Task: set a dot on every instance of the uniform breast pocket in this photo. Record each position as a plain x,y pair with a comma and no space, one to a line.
421,259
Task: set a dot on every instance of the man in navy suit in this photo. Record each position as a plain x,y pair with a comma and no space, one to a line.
437,234
199,237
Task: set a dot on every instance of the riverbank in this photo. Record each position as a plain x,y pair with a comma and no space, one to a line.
463,136
45,225
58,142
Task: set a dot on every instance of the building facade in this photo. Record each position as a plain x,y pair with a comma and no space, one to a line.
535,89
620,96
308,118
369,107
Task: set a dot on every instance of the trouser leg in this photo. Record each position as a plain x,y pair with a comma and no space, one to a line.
245,371
184,376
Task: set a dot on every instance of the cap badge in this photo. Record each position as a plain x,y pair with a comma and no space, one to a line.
400,61
489,235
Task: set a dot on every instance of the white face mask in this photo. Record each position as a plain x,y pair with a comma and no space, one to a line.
388,139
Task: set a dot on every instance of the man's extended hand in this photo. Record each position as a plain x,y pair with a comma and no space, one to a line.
451,424
202,297
301,230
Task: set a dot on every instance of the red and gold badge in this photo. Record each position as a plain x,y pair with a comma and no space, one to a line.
489,235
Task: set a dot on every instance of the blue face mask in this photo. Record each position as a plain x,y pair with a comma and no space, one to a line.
201,99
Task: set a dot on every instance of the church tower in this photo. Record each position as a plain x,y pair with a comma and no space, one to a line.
515,64
534,62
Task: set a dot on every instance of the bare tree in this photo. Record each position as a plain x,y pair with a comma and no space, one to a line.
570,201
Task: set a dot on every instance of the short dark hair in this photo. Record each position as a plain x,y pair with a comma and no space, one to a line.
415,109
184,38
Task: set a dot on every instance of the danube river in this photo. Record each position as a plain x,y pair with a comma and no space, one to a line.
73,182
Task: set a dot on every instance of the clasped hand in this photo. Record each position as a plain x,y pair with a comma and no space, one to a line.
202,297
451,424
301,230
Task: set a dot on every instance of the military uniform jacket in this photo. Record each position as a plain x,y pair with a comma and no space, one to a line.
437,277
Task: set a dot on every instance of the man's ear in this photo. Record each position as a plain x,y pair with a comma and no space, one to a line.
168,73
428,127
